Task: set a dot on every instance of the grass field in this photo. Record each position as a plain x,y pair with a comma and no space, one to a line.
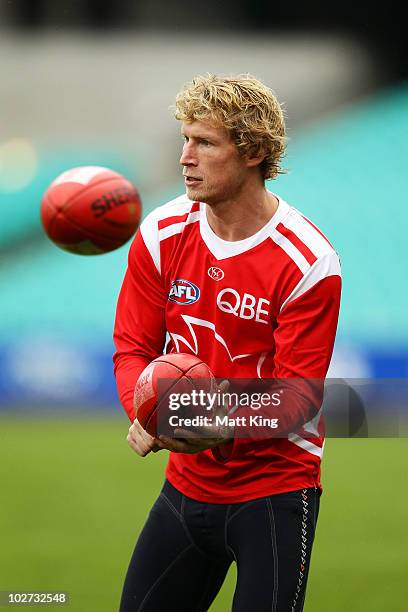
74,497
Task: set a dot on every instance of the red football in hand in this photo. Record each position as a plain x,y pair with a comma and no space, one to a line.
168,374
90,210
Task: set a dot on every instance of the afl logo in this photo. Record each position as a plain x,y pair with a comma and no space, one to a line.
215,273
183,292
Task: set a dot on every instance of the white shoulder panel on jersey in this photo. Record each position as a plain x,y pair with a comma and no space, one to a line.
150,226
307,233
326,265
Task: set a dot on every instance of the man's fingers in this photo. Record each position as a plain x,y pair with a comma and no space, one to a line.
141,450
139,429
140,441
138,446
186,441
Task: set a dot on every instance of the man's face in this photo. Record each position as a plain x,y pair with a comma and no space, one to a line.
213,170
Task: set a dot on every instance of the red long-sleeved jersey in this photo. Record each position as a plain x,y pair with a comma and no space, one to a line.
263,307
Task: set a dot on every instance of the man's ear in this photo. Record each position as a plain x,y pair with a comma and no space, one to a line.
255,160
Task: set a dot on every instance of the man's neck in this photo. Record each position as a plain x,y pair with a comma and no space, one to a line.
242,217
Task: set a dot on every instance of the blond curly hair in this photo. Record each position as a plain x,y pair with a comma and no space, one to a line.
246,108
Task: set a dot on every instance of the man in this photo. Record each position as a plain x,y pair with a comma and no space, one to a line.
266,306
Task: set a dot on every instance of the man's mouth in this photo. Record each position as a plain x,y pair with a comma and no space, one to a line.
191,180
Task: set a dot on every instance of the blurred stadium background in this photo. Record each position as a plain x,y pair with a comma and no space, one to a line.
90,82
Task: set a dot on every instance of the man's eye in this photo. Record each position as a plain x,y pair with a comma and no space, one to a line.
205,142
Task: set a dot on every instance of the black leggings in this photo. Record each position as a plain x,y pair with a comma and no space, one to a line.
186,547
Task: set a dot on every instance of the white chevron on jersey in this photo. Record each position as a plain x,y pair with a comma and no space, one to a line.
194,348
190,321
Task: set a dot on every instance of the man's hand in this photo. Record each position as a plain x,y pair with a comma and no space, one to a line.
190,443
187,441
140,441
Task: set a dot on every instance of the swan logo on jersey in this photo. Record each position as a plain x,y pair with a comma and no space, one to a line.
183,292
215,273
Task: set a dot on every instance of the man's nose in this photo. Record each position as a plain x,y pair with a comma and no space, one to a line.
188,157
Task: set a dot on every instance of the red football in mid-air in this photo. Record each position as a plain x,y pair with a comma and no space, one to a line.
168,374
90,210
